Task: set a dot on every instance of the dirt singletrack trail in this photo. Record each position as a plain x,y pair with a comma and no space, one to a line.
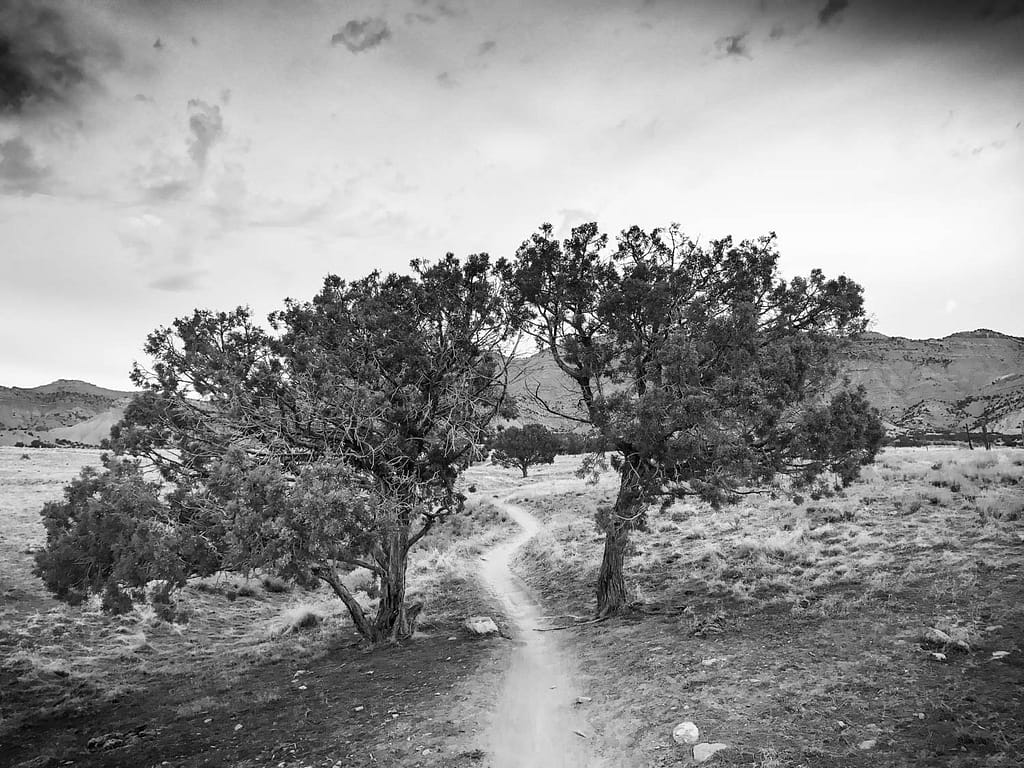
534,723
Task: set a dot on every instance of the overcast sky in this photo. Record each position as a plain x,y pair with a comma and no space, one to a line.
157,156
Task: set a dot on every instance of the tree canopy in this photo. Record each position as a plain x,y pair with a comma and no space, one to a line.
331,440
525,446
708,372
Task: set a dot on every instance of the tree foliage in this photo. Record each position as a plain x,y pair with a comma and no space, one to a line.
524,447
331,440
707,371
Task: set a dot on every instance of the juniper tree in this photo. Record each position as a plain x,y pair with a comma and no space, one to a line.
707,373
524,447
332,440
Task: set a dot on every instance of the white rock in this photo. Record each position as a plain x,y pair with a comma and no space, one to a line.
936,637
686,733
999,654
702,752
481,625
868,744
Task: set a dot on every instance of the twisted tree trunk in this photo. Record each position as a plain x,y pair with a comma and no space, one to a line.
622,518
395,619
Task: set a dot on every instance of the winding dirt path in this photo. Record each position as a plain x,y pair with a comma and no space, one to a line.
534,723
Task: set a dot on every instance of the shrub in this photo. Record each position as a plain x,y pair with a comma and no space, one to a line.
110,532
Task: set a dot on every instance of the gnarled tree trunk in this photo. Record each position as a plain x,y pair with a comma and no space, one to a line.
623,518
395,619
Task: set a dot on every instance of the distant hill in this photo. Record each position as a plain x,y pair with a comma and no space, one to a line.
71,410
941,385
937,385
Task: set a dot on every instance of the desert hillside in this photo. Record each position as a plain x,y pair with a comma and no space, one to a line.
941,385
70,410
937,385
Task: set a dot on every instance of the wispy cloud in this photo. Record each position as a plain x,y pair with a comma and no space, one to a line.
20,172
171,176
207,126
362,34
733,45
178,282
430,11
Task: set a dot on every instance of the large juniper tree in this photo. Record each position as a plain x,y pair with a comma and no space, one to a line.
332,440
708,373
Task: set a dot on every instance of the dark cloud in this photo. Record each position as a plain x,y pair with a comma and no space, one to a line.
362,34
207,126
1000,11
831,9
733,45
445,80
486,47
158,44
19,170
777,32
47,58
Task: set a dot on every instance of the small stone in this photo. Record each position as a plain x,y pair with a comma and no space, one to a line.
935,636
686,733
938,656
702,752
208,720
238,727
999,654
867,744
481,625
582,700
360,708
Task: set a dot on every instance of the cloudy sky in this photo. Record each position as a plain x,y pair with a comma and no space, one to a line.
161,155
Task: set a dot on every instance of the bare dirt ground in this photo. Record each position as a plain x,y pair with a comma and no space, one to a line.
534,720
232,687
798,633
793,630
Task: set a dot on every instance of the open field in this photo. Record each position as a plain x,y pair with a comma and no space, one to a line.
242,682
793,630
796,632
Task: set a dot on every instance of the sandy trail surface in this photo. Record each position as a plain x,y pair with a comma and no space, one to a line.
534,723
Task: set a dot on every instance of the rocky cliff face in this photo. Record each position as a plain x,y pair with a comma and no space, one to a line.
966,379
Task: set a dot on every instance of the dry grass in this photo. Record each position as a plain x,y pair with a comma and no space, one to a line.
65,660
812,613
